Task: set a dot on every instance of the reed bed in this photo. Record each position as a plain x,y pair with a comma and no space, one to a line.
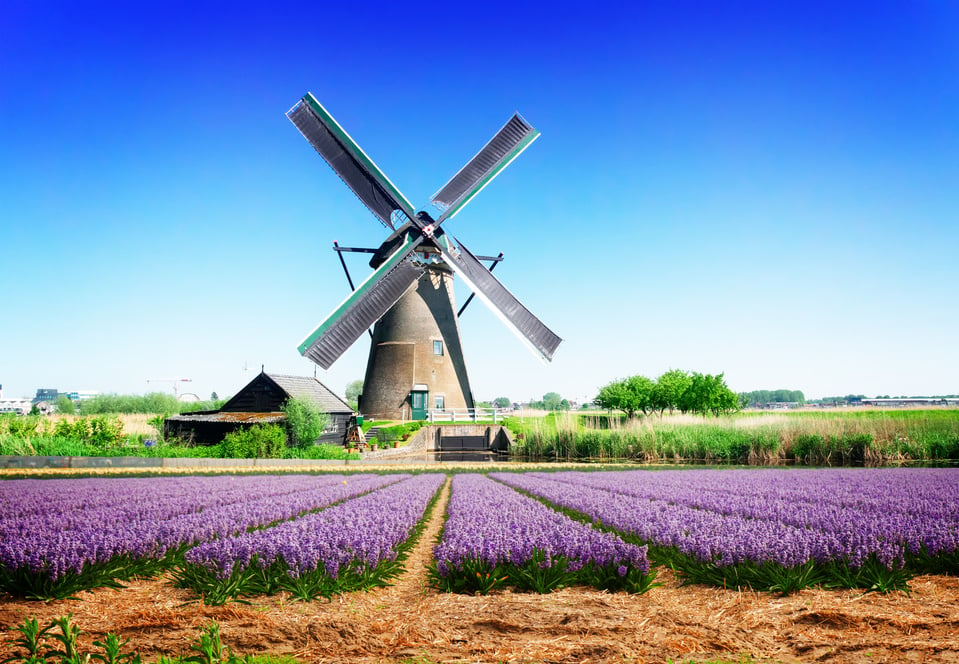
815,438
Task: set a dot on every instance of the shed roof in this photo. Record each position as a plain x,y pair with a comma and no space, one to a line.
310,388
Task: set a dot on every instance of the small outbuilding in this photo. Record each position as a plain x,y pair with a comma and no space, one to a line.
261,402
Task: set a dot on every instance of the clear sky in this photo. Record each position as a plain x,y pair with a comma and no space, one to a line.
765,189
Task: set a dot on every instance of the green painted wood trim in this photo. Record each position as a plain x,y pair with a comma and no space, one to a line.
478,187
354,149
408,245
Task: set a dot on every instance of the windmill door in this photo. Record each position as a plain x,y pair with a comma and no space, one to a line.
419,402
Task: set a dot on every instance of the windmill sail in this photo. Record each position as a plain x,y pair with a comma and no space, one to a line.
530,329
349,161
381,290
515,136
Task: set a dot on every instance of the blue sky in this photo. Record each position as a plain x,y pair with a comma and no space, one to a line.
765,189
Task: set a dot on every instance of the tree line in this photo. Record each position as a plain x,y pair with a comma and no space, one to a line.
763,397
150,403
674,390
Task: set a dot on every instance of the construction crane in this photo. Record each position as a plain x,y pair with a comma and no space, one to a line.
174,381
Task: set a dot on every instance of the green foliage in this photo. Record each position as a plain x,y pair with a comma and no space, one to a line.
208,648
261,441
630,395
23,427
668,390
30,640
502,402
696,393
157,423
763,397
68,639
708,394
106,432
353,391
305,420
150,403
64,405
323,451
398,431
866,436
553,401
540,574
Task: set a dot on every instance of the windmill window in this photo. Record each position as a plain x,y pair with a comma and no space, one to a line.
439,402
437,348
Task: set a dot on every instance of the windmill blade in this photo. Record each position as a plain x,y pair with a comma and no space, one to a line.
515,136
363,307
349,161
530,329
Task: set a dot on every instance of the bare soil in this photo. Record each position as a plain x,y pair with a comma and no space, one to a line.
411,622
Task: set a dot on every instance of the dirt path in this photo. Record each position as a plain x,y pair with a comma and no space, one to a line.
411,622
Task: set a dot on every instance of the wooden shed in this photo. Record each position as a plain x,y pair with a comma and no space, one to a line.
260,402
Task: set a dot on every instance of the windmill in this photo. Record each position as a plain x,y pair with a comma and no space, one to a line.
416,357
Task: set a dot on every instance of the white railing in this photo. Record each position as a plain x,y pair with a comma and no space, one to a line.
465,415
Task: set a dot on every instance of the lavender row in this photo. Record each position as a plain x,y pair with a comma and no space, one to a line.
726,537
913,510
194,515
357,535
796,495
494,525
26,505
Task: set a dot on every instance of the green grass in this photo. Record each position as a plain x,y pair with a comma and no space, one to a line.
818,438
50,445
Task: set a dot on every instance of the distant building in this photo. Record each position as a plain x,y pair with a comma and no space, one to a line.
18,406
83,395
260,402
912,401
46,394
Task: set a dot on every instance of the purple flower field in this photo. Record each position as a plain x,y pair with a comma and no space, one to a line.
231,535
53,530
785,518
502,536
346,547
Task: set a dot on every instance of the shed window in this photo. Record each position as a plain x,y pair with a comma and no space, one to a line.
437,348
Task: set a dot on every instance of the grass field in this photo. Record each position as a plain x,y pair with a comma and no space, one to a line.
850,436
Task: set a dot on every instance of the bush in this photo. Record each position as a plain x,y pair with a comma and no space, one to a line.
305,420
23,427
106,432
261,441
397,432
323,452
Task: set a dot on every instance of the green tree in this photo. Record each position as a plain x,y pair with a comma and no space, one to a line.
709,394
668,390
353,391
65,405
305,421
502,402
631,395
553,401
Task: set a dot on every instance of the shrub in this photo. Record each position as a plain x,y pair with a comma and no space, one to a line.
106,431
23,427
261,441
305,420
323,452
